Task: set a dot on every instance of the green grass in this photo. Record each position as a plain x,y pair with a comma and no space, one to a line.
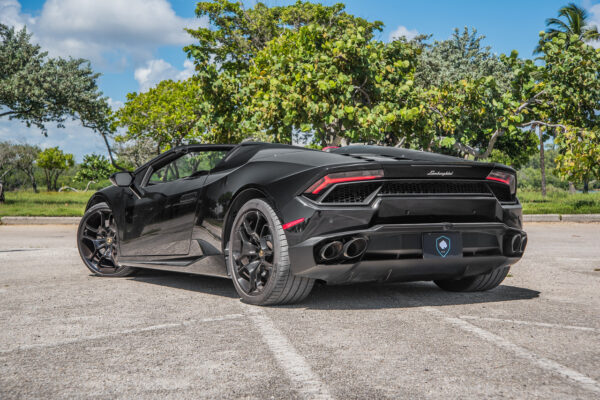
51,204
559,202
27,203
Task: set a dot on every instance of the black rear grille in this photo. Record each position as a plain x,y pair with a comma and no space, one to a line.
433,187
351,192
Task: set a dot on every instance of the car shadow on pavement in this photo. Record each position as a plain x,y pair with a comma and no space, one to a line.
197,283
349,297
404,295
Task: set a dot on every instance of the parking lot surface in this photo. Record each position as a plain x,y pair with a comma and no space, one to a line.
66,333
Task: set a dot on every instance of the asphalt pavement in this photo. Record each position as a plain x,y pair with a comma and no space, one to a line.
67,334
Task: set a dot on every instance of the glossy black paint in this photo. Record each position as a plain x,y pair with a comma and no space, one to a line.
184,225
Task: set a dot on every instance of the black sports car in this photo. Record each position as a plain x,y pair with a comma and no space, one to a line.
276,218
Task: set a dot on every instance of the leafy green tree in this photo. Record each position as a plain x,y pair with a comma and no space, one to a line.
170,114
461,57
575,23
333,81
132,154
8,158
37,89
26,156
54,162
225,53
572,75
94,168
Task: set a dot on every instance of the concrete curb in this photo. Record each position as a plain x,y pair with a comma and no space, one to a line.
541,218
584,218
40,220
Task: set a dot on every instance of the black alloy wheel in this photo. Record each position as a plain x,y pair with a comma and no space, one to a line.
97,241
258,259
252,252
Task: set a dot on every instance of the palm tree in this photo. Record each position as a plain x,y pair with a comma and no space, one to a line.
577,23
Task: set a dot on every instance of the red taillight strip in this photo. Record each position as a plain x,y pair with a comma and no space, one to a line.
493,178
295,222
330,181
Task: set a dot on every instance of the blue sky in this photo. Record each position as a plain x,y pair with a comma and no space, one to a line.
137,43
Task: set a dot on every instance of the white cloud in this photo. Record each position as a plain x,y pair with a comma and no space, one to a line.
73,138
10,14
403,31
158,70
595,20
105,32
114,104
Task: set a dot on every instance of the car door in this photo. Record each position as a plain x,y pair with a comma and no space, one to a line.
160,221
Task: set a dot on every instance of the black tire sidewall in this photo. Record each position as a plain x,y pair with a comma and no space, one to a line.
280,263
122,271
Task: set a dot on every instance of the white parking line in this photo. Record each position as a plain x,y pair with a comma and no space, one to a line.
541,324
584,381
122,332
304,380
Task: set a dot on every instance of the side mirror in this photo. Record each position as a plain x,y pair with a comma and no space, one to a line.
122,179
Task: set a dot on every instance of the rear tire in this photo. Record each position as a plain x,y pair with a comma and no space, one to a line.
478,283
258,260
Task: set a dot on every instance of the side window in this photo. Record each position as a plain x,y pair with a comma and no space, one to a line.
191,164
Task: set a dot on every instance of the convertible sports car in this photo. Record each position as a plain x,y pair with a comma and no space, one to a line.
276,218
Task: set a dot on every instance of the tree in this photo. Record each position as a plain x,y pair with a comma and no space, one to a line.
37,89
7,164
7,159
94,168
461,57
576,24
334,81
133,154
54,162
169,114
572,70
225,52
26,156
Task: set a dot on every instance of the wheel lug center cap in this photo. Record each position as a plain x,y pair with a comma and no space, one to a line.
109,240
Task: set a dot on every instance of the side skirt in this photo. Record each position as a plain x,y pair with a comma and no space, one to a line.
203,265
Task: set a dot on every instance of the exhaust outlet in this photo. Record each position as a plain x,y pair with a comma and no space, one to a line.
331,250
523,244
355,247
515,243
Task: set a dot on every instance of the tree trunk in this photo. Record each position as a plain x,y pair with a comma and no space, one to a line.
586,185
48,180
1,193
542,160
56,181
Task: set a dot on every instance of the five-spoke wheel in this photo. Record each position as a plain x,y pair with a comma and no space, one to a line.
97,240
258,260
252,251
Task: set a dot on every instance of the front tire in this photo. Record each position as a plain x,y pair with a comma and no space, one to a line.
478,283
258,260
97,242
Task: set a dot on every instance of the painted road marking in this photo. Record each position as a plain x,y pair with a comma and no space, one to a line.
122,332
541,324
584,381
303,379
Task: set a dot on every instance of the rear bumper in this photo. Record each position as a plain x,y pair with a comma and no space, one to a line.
395,253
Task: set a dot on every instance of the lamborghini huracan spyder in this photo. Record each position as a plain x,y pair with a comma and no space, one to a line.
276,218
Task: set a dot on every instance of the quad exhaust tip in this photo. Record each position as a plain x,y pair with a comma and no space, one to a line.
331,250
343,249
515,244
355,247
